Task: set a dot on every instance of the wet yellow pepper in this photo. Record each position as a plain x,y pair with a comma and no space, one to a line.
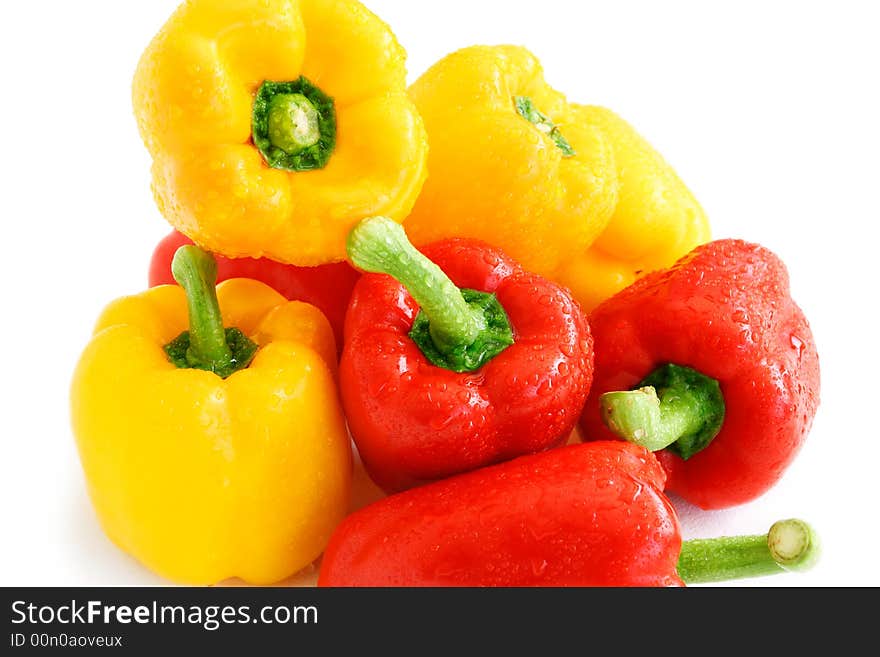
510,162
201,477
569,190
276,125
656,219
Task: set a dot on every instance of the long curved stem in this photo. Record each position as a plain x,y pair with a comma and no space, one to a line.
196,272
380,245
207,345
457,329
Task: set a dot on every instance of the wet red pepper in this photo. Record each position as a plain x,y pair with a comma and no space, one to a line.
584,515
328,287
419,411
722,368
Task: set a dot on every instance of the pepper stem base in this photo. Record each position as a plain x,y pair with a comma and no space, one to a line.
674,406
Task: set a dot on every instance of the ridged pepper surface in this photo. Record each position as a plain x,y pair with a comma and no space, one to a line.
276,125
712,364
213,452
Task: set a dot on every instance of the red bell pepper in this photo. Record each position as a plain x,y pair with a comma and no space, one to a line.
436,380
585,515
715,365
328,287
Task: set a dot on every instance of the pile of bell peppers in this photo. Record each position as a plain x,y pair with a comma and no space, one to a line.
354,268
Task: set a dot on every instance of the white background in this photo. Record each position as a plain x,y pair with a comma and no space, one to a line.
767,110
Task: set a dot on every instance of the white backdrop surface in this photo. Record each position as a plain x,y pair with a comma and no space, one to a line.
768,110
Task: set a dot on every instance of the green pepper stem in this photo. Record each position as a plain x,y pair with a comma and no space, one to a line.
526,109
674,407
293,123
380,245
637,416
196,272
790,545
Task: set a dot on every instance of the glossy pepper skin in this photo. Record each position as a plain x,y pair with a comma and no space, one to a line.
655,221
413,421
202,478
725,311
197,93
593,220
584,515
540,206
327,287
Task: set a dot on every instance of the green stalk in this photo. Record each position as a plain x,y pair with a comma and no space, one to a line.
790,545
527,110
676,407
294,125
456,329
207,345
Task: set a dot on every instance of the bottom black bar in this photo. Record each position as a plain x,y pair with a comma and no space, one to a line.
401,620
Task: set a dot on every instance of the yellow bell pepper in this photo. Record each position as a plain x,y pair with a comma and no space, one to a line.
511,163
571,191
202,477
276,125
655,222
